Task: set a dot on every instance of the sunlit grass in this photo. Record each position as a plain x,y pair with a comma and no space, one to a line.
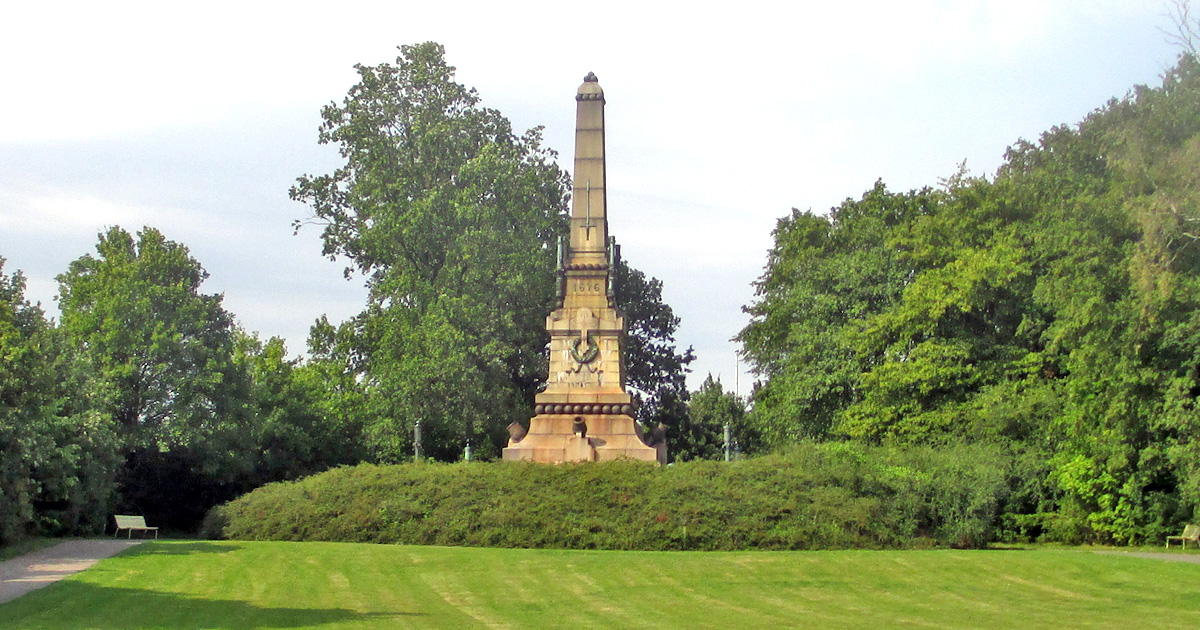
338,585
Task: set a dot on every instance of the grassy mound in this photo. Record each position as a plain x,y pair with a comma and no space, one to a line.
814,497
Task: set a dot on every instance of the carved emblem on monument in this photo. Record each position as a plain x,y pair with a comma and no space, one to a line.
585,321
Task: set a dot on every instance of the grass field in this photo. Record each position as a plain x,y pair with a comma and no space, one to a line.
183,585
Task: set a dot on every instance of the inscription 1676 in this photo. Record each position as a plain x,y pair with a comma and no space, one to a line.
588,286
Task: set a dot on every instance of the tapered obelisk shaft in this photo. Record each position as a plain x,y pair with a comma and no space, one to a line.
589,215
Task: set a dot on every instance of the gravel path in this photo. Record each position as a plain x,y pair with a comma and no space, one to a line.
1173,557
45,566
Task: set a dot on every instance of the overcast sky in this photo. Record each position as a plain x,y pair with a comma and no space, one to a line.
195,118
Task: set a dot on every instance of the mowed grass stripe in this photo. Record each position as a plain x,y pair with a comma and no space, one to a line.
186,585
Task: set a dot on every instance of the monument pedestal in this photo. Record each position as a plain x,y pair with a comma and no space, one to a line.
552,438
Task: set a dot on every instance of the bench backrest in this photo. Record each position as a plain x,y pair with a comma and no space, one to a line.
1191,532
133,522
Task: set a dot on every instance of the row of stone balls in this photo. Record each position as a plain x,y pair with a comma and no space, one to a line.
584,409
586,267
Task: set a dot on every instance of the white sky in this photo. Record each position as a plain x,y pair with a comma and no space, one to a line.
196,118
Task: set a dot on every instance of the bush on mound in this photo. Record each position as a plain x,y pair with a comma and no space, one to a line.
812,497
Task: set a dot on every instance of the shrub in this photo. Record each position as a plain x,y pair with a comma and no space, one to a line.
810,497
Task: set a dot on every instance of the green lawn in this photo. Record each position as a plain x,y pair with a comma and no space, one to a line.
182,585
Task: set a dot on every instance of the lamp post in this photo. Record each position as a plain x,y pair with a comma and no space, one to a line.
417,441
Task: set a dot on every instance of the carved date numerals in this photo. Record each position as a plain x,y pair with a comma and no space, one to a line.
588,287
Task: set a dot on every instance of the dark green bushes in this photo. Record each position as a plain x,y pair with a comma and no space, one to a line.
812,497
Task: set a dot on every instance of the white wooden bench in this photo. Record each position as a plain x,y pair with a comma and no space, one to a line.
131,523
1190,532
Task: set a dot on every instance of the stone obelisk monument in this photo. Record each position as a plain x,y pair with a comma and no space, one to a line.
585,414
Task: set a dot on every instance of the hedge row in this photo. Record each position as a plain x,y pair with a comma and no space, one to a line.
812,497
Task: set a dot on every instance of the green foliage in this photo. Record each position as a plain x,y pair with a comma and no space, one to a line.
824,276
58,456
1050,311
654,370
148,395
809,498
710,410
162,352
295,431
452,219
162,349
331,375
197,410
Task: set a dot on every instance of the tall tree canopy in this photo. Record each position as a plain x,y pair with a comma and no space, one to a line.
162,354
1051,308
58,454
163,349
453,219
199,410
710,410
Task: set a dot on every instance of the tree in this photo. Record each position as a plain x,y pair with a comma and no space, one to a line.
332,373
453,219
163,353
292,431
710,410
654,370
57,454
1187,27
163,348
824,275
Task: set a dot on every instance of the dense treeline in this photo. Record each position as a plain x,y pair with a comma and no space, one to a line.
145,398
809,497
1051,310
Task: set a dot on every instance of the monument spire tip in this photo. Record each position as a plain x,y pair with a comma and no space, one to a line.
590,90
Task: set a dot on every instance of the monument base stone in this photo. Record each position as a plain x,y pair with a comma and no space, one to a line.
553,438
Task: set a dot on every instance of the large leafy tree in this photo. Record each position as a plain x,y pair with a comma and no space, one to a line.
163,349
824,275
453,219
162,352
58,455
450,216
